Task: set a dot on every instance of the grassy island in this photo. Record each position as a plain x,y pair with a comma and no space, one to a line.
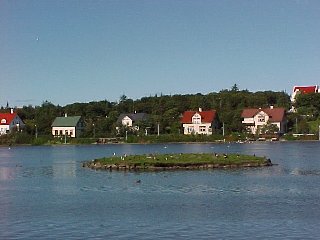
183,161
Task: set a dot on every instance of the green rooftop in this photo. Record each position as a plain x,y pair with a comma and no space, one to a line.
66,121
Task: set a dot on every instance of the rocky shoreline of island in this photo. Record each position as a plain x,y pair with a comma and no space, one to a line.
182,161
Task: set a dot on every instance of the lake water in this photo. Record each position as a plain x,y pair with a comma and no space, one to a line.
46,194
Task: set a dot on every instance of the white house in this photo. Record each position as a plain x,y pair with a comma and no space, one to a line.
10,121
255,118
132,120
199,122
69,126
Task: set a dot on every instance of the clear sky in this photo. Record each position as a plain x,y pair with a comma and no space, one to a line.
90,50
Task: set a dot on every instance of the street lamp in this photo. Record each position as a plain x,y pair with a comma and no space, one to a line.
36,130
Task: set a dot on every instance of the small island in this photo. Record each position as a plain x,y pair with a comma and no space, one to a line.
181,161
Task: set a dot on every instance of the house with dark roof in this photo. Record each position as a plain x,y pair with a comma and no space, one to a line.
199,122
255,118
67,126
10,121
132,120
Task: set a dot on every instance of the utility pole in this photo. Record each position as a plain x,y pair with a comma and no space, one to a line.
223,129
158,129
36,130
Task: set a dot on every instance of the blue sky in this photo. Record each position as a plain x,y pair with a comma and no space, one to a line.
81,51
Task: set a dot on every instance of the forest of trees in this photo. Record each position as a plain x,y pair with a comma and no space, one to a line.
101,116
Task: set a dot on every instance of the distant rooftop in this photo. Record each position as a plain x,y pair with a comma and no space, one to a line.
66,121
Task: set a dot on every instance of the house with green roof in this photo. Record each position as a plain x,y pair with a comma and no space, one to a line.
67,126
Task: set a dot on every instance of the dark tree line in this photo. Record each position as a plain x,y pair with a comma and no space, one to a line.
101,116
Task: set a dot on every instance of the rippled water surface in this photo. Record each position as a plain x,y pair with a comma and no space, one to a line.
46,194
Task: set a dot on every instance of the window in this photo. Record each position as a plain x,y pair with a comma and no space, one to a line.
196,119
190,129
71,132
261,118
66,132
56,132
202,129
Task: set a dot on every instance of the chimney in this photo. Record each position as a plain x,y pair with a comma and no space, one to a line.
271,107
11,110
200,109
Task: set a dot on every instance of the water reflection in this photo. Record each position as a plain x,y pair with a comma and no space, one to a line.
7,173
64,170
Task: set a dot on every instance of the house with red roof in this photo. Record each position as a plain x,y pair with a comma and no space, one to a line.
199,122
255,118
10,121
303,90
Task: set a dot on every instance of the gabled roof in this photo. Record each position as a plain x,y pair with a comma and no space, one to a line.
135,117
6,118
275,114
206,116
66,121
305,89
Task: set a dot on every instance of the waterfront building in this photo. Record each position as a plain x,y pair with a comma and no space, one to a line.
255,118
132,120
303,90
67,126
199,122
9,122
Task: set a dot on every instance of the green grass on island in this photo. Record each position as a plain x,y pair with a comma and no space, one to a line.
176,161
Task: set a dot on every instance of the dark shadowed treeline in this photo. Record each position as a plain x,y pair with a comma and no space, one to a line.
164,110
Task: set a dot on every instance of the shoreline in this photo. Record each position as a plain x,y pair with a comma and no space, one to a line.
148,143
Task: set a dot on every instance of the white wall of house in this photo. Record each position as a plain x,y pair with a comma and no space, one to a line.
61,131
259,120
194,128
8,127
197,126
4,129
126,121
